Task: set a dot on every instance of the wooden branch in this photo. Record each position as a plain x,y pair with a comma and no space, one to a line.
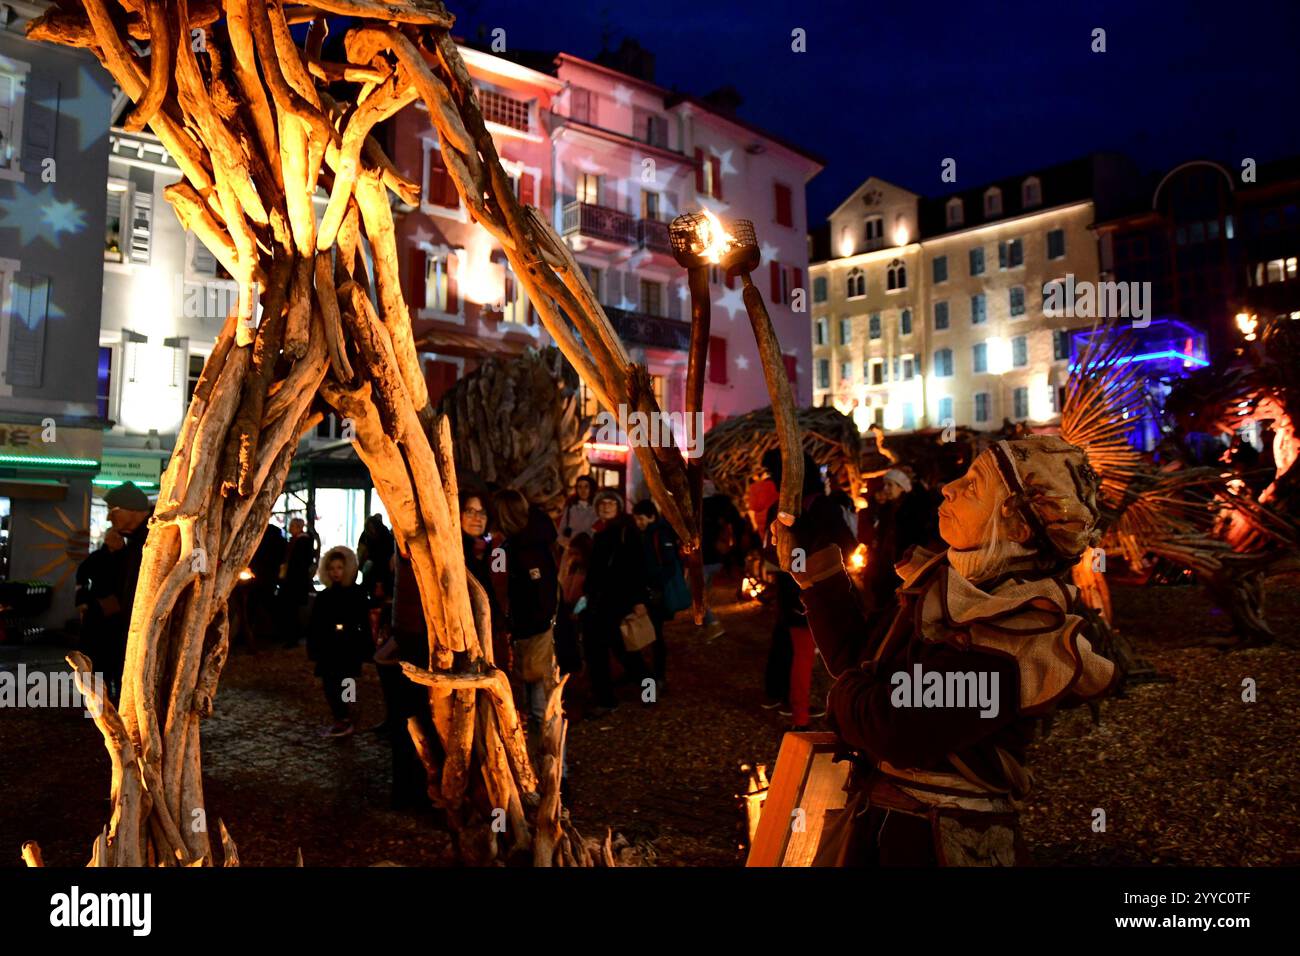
161,59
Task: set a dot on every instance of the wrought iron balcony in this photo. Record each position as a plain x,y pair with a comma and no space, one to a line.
639,328
599,222
653,235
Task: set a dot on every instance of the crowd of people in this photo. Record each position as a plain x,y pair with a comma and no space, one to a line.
589,591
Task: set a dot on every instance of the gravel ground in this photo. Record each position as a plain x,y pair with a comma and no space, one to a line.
1185,771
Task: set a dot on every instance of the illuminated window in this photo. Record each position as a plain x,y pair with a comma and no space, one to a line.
441,288
589,189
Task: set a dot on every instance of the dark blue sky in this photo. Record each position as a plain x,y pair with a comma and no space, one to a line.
890,89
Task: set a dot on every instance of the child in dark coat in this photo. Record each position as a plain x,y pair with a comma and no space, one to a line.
338,637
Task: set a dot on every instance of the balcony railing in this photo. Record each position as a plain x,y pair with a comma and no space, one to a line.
639,328
599,222
653,235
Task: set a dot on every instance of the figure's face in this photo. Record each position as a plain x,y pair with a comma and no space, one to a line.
583,489
890,491
336,570
642,521
607,510
125,520
969,506
473,520
297,527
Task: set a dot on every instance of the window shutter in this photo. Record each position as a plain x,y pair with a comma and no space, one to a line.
774,269
442,191
783,214
31,296
674,301
40,121
453,286
731,281
791,368
717,360
205,263
142,226
798,283
717,176
526,190
417,271
699,170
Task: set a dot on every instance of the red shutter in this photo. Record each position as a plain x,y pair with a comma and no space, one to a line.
717,176
453,287
774,269
791,368
699,170
442,191
798,284
717,360
439,377
416,284
731,281
783,214
526,189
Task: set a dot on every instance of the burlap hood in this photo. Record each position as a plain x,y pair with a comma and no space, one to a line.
1026,620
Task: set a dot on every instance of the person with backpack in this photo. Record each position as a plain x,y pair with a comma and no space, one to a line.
616,587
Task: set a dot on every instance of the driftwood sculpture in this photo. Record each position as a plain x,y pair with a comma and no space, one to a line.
734,449
257,124
515,423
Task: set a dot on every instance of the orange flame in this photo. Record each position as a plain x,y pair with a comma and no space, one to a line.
714,240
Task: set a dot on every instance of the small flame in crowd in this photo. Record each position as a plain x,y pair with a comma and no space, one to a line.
713,237
858,559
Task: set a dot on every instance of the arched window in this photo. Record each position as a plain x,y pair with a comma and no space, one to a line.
857,284
1031,192
956,216
896,277
992,202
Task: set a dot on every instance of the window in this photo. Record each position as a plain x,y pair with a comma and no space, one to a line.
909,416
708,174
1020,402
977,261
908,368
905,322
896,276
104,381
955,216
1056,244
945,410
873,326
1017,297
940,316
819,289
992,202
654,130
1060,344
782,199
846,371
823,373
981,406
649,205
439,188
846,330
877,372
980,353
940,269
979,313
589,189
12,106
875,232
652,294
1031,192
819,331
582,105
1019,351
441,288
194,373
943,363
504,110
857,284
1011,254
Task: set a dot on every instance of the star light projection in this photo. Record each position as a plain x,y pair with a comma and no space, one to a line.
37,214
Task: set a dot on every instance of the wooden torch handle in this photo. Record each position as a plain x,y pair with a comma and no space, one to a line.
778,390
701,318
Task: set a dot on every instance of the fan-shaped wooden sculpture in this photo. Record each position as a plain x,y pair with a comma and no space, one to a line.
257,123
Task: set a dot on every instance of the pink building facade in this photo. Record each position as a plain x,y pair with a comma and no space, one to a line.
611,159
